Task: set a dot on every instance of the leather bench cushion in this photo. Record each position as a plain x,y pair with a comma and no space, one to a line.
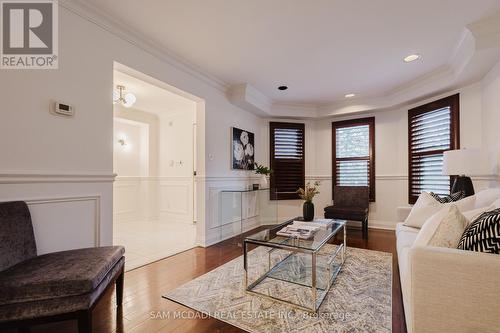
58,274
346,213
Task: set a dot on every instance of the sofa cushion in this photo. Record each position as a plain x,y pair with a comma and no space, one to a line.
346,213
400,227
58,274
404,273
405,236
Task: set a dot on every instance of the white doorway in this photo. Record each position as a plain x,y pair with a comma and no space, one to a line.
154,159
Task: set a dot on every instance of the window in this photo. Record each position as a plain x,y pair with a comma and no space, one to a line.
287,159
432,129
353,151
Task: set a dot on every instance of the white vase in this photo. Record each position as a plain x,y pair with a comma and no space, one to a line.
264,183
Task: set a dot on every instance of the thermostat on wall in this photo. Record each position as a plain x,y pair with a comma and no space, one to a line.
63,109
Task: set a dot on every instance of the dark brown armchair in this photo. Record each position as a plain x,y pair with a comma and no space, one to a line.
55,286
350,203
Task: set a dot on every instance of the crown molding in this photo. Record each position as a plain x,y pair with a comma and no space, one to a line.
486,31
249,98
112,25
477,51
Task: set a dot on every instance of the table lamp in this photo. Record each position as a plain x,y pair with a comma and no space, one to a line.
464,163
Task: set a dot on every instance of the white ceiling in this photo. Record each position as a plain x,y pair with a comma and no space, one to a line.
151,98
322,49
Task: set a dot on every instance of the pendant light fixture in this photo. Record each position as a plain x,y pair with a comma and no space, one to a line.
126,99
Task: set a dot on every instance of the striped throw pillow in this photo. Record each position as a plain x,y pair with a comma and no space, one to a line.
448,198
483,235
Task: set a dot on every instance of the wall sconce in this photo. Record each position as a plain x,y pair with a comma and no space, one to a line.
123,142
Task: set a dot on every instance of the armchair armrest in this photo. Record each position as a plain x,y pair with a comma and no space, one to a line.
454,290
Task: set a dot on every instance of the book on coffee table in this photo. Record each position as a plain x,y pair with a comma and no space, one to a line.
302,232
319,223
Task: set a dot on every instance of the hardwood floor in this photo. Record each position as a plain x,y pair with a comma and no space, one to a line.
144,286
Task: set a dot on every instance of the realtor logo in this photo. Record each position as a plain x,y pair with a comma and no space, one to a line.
29,34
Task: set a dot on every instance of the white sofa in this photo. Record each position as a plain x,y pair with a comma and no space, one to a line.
448,290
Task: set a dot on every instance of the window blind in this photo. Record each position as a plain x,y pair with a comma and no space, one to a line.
433,129
353,154
287,159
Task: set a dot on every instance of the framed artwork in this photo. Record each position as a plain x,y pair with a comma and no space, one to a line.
242,149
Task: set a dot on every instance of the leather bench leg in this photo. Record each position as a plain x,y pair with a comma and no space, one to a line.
119,289
85,321
365,228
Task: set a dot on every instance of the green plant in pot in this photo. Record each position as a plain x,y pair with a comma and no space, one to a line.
264,172
307,194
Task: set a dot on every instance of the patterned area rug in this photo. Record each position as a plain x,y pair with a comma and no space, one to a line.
360,299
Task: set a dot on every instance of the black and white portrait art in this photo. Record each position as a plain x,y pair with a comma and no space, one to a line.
243,149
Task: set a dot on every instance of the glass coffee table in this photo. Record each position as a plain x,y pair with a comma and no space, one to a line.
306,268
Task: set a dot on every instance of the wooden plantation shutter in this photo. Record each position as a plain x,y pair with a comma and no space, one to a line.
353,152
432,129
287,159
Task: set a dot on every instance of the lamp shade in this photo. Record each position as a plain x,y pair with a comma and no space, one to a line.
470,162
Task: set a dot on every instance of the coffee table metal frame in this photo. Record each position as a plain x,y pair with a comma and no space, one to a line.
294,249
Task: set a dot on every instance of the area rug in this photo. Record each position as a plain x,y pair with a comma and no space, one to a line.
360,299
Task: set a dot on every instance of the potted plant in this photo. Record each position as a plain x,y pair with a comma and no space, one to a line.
264,172
307,194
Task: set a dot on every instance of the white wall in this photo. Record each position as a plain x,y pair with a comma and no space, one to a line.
147,119
491,117
391,146
176,166
131,148
176,143
165,196
48,157
64,166
134,195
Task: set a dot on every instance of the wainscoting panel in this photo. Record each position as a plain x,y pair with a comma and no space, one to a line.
69,210
66,223
229,218
153,199
125,203
176,199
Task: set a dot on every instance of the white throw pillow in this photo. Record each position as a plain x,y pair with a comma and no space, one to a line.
471,215
426,206
429,227
444,229
450,230
496,204
486,197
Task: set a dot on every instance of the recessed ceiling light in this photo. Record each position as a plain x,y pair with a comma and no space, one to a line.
411,57
349,95
282,87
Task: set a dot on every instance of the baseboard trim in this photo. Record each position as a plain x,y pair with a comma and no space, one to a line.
382,225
